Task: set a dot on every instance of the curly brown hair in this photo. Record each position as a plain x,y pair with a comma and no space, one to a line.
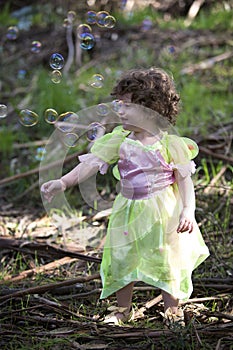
152,88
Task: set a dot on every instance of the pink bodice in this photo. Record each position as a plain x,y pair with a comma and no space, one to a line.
143,171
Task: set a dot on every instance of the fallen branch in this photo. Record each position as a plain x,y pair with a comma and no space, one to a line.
206,64
49,287
216,155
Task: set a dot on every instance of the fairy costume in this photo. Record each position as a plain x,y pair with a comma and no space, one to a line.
142,243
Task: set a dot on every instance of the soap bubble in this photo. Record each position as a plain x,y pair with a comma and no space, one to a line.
36,46
109,22
103,109
66,23
67,121
3,111
94,130
83,29
71,15
116,105
91,17
56,61
28,118
87,41
70,139
50,115
12,33
96,81
56,76
40,153
21,74
146,24
100,18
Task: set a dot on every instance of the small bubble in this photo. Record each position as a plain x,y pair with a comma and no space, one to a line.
66,23
94,131
3,111
56,76
146,24
12,33
71,15
21,74
40,153
87,41
50,115
67,121
109,22
91,17
116,105
100,18
70,139
56,61
28,118
83,29
103,109
96,81
36,46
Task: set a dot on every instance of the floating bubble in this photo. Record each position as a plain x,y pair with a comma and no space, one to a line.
91,17
12,33
116,105
51,115
21,74
103,109
56,76
28,118
71,15
66,23
146,24
83,29
3,111
100,18
36,46
56,61
87,41
70,139
67,121
96,81
94,131
40,153
109,22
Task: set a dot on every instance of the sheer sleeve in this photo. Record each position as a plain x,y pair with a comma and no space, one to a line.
105,150
181,151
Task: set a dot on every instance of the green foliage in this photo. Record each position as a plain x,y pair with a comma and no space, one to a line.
7,138
6,19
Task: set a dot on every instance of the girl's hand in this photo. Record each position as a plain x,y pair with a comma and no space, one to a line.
51,188
186,221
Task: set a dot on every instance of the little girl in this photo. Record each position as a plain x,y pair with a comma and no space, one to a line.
152,233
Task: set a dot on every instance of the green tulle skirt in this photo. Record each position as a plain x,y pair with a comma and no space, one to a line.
142,245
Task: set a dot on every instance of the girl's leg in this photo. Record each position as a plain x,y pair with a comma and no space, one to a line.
170,301
124,299
124,296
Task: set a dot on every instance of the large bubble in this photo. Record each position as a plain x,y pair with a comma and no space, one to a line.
3,111
12,33
28,118
87,41
67,122
50,115
56,76
83,29
91,17
56,61
100,18
82,130
96,81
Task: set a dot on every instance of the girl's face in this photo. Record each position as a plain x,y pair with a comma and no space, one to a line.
130,114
